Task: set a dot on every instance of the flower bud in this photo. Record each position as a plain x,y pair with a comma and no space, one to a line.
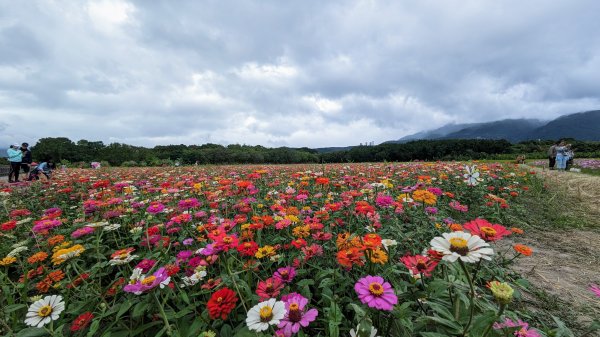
502,291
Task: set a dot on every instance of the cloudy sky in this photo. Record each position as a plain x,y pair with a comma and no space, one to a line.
288,73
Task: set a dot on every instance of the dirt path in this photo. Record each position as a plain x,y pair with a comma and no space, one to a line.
566,262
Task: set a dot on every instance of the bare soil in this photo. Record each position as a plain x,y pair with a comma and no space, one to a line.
566,262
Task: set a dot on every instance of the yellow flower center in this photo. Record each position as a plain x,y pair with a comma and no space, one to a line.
266,313
219,299
227,239
488,231
459,245
294,314
376,289
44,311
148,280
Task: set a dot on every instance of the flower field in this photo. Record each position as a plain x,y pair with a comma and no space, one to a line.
298,250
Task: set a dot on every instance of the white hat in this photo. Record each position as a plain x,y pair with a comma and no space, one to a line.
16,145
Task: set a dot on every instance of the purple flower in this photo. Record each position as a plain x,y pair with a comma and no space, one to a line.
376,293
431,210
145,265
188,241
285,274
159,278
384,200
79,232
595,289
296,316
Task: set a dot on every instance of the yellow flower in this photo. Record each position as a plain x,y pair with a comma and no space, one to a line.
266,251
425,197
301,231
292,218
63,255
8,260
379,256
503,292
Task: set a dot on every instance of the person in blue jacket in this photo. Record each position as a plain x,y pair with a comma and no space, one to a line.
15,155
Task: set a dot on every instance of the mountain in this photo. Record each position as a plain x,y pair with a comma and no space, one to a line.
513,130
581,126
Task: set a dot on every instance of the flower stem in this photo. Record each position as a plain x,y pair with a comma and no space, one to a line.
471,296
163,315
500,312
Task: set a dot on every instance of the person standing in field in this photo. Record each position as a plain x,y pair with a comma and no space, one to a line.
552,155
14,156
561,156
570,155
26,159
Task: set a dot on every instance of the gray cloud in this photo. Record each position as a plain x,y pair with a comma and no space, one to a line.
300,73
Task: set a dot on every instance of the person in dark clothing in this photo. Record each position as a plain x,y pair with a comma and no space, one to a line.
26,159
552,155
45,167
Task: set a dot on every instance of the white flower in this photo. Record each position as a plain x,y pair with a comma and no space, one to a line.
198,275
467,247
136,274
112,227
388,243
22,221
472,175
372,333
97,224
136,230
265,313
44,311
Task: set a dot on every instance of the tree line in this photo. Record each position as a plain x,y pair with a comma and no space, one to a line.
61,149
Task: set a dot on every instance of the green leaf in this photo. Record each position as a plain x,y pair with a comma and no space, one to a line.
14,307
93,327
139,309
432,334
32,332
226,331
145,327
334,317
244,332
184,297
124,307
482,322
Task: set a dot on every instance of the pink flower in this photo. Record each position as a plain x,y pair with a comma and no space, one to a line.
376,293
457,206
269,288
384,200
188,203
595,289
79,232
296,316
419,264
524,330
486,230
159,278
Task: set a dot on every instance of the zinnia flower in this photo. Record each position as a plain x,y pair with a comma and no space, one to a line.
285,274
44,311
419,264
269,288
264,314
296,316
486,230
522,249
140,285
376,293
221,303
82,321
472,175
65,254
463,246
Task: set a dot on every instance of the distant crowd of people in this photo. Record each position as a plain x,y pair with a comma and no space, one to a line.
20,159
560,156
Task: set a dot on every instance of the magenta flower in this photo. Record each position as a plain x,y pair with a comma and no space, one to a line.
142,284
296,316
376,293
285,274
595,289
384,200
155,208
79,232
188,203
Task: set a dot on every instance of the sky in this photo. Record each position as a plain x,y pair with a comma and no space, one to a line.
288,73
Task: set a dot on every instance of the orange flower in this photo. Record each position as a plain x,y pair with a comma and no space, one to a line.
53,241
456,227
425,197
37,257
378,256
517,230
348,257
372,241
56,275
522,249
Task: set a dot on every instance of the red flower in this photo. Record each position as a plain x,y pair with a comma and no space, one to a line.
419,264
486,230
221,303
269,288
248,248
9,225
82,321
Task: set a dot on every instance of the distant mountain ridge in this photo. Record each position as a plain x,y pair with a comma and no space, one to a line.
581,126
